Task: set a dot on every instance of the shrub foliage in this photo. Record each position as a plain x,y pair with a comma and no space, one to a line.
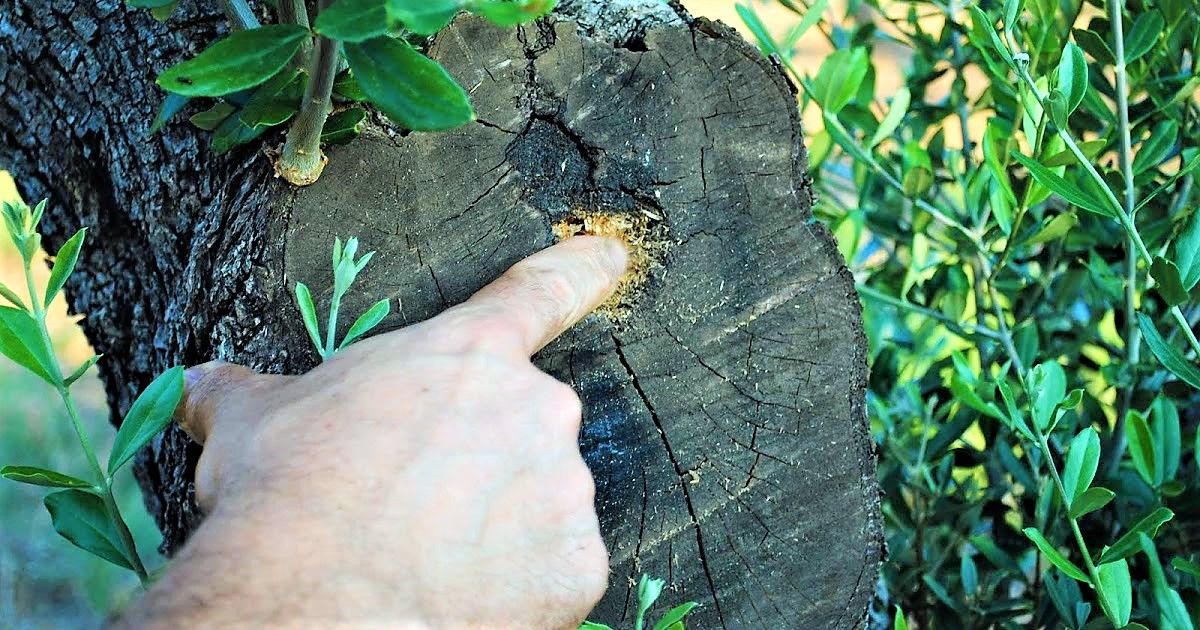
1021,216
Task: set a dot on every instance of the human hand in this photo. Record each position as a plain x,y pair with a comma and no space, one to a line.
428,477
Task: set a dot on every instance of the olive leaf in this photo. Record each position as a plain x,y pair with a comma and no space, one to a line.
425,98
148,415
239,61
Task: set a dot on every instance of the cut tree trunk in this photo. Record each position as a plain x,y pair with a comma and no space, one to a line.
724,410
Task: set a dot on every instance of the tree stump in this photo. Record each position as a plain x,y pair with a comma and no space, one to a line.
724,396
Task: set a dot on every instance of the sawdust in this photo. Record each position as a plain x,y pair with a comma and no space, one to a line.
645,235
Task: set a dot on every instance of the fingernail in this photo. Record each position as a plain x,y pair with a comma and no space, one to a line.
618,254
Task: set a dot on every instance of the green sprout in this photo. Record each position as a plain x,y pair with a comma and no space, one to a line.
649,590
345,270
82,511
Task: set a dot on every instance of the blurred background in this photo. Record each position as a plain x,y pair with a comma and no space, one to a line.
45,582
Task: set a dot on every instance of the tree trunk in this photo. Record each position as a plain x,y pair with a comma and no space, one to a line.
724,400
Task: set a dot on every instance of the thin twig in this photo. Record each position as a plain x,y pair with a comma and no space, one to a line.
241,16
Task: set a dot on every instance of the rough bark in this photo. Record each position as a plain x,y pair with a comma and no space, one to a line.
724,418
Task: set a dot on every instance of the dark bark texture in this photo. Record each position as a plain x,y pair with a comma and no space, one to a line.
724,417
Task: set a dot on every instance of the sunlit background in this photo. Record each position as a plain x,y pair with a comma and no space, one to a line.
44,581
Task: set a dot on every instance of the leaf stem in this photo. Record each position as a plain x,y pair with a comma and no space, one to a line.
978,331
331,328
302,160
1105,605
103,481
1123,218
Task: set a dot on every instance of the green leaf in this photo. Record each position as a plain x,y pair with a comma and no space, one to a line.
149,4
1066,157
1090,500
675,615
1191,163
1014,412
508,14
1095,45
410,88
275,101
1048,387
812,15
1170,605
968,574
590,625
41,477
423,17
344,126
148,415
918,170
1055,228
1141,447
233,133
1169,286
1083,457
237,62
12,296
1072,193
81,370
1117,589
1053,555
171,104
366,322
353,20
1186,249
1072,77
1187,566
983,35
1168,355
838,79
162,13
347,87
64,264
1129,543
1143,35
21,341
895,114
648,591
82,518
900,623
1156,146
212,117
753,22
1168,441
965,394
308,313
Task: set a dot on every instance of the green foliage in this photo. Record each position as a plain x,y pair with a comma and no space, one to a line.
148,416
648,591
1020,213
260,73
86,513
428,99
345,270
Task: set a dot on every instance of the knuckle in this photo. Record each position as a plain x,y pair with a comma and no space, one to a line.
551,292
562,399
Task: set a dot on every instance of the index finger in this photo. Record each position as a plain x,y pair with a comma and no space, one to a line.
542,296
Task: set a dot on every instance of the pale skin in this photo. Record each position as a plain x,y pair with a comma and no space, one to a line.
425,478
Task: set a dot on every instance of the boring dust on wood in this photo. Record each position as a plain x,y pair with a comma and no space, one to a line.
724,421
724,411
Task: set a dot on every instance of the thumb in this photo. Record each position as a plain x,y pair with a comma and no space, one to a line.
215,389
